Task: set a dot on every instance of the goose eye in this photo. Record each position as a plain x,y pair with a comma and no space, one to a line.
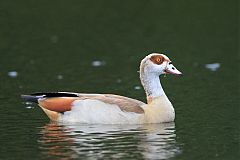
157,59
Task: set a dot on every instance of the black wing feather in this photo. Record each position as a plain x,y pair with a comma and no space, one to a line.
35,96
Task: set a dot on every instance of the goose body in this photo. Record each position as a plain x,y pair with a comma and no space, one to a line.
114,109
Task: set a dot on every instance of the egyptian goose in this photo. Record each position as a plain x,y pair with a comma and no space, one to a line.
114,109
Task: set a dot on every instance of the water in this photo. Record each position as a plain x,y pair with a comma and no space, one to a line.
109,141
96,47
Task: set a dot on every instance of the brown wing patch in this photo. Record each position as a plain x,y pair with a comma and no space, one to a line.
58,104
157,59
124,103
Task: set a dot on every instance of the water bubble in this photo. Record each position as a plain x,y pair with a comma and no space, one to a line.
60,77
213,66
29,107
13,74
28,103
98,63
119,81
137,87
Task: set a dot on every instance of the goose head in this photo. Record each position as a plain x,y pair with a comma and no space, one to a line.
158,64
151,67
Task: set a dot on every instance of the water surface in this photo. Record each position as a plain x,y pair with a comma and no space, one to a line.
96,47
109,141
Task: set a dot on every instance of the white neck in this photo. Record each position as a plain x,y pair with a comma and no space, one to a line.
151,84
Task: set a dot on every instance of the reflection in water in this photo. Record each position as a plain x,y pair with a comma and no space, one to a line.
152,141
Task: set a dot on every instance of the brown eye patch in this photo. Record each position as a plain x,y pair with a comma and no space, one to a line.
157,59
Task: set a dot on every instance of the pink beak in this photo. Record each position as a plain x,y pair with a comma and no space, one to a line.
170,69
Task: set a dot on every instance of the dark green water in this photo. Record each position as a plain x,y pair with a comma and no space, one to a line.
52,44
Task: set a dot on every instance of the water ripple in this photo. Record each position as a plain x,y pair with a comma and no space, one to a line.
155,141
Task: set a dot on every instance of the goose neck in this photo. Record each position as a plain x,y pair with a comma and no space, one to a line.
152,85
